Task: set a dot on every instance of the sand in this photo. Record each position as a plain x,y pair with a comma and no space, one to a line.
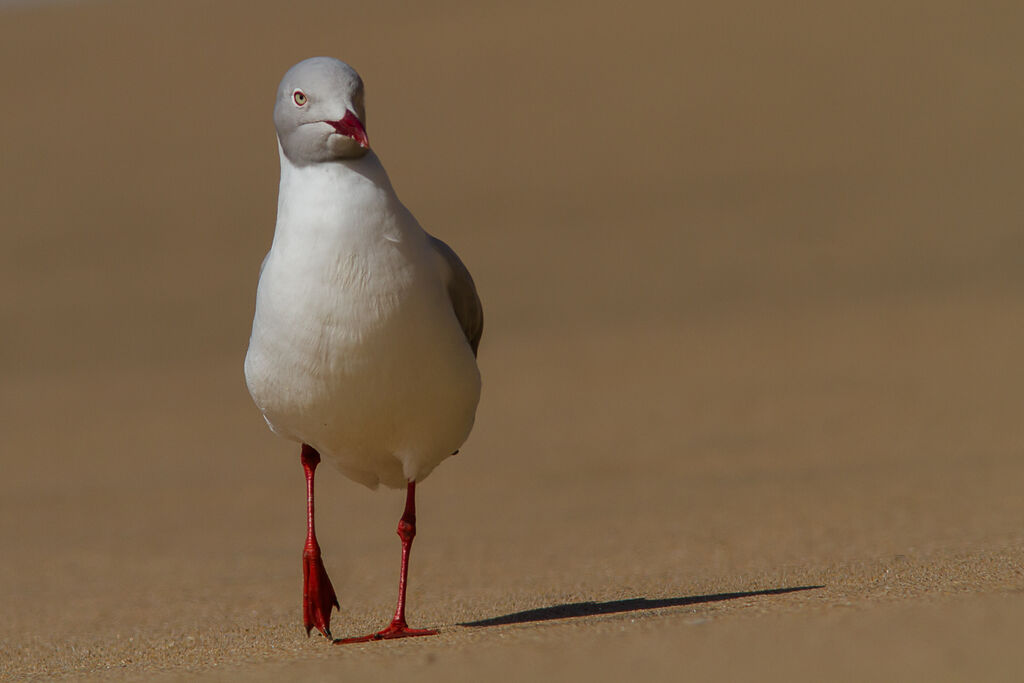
754,285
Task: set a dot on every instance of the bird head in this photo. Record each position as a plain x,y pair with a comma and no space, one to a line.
319,113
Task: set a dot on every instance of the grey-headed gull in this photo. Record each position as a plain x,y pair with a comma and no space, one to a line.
364,339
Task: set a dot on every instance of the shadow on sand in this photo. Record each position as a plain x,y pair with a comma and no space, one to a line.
589,609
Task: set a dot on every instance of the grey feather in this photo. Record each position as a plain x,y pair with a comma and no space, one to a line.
462,293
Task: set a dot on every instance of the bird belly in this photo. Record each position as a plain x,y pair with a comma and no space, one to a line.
377,377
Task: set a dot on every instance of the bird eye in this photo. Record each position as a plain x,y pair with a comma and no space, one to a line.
300,98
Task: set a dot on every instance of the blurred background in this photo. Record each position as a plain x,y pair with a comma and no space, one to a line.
753,279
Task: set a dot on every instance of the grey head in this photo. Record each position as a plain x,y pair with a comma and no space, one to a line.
319,113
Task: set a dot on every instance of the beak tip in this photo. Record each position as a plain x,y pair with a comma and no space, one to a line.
350,126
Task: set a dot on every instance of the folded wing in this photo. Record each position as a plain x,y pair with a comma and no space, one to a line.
462,293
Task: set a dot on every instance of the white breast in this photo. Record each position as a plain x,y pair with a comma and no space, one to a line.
355,348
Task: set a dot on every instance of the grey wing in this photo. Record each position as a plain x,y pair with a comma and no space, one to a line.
462,293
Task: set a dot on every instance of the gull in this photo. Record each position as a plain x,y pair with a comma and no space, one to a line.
366,327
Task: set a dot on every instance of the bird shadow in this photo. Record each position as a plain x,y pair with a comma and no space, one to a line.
588,609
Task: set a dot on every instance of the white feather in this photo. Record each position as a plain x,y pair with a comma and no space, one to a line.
355,347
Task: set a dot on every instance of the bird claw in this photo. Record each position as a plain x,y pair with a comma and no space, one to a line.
318,595
395,630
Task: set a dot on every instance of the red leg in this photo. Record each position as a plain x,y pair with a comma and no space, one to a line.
317,592
399,628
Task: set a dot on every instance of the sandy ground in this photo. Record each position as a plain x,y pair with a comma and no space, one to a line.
754,282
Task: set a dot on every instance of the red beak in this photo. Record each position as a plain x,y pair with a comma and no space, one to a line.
351,127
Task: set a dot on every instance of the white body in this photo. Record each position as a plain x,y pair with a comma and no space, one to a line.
355,347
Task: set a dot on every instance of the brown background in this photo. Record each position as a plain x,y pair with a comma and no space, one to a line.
754,283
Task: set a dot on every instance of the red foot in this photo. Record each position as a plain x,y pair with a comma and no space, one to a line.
395,630
398,627
317,594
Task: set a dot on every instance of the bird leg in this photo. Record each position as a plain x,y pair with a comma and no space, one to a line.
398,627
317,592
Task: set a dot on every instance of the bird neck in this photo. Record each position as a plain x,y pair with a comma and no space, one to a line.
341,200
338,172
